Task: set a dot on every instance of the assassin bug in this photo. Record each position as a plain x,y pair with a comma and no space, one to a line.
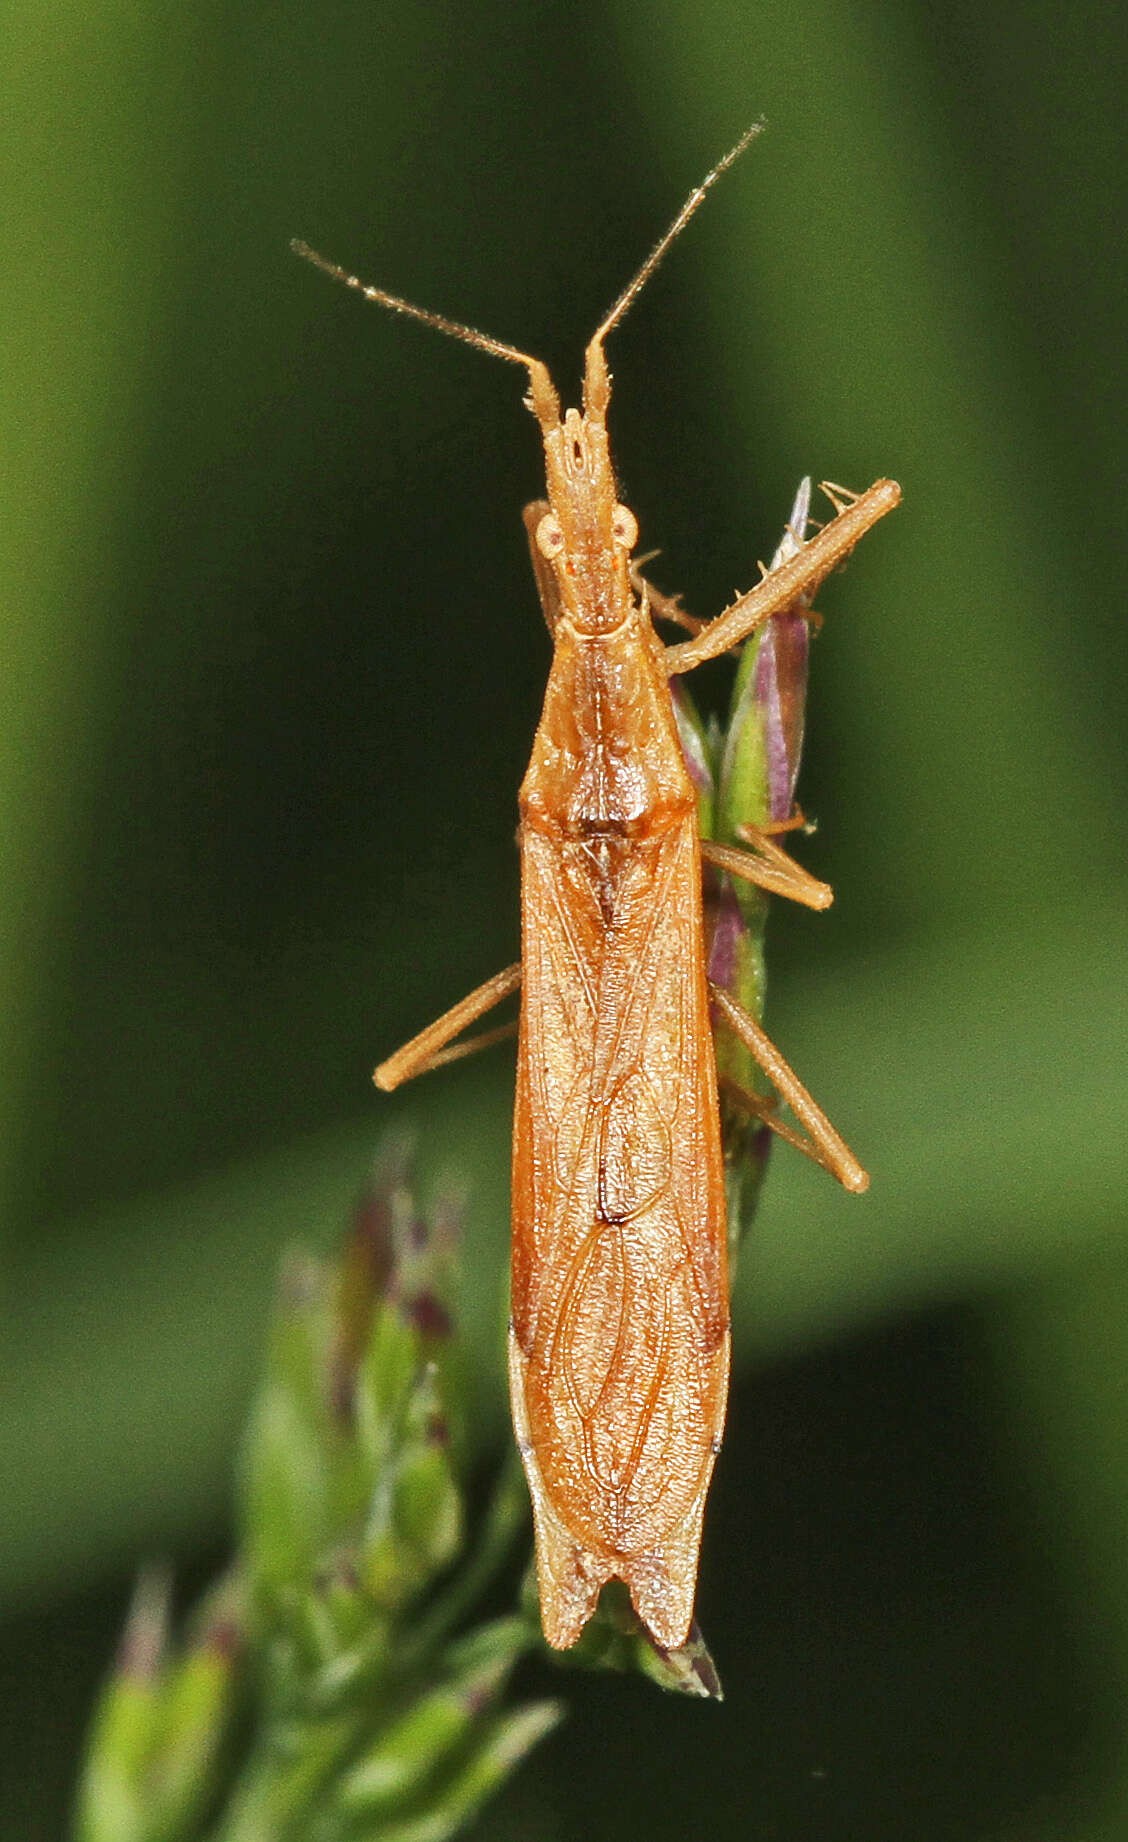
619,1336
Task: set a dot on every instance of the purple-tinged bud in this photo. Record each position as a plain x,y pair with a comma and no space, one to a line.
764,738
758,768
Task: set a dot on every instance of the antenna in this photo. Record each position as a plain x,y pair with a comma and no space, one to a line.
544,400
634,287
546,404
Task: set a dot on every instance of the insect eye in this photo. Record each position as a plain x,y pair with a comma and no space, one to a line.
624,527
550,538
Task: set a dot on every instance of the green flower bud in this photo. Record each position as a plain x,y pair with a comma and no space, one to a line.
410,1752
287,1478
111,1803
497,1749
415,1516
197,1703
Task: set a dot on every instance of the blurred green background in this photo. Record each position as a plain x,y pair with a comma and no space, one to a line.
271,664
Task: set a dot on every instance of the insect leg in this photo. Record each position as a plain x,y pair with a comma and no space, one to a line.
429,1049
769,867
825,1145
662,607
800,575
764,1108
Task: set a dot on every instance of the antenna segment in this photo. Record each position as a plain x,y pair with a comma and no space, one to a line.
468,334
634,288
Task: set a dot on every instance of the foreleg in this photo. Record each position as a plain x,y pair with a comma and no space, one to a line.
799,576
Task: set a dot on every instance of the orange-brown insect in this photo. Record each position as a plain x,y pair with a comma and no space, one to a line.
619,1339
